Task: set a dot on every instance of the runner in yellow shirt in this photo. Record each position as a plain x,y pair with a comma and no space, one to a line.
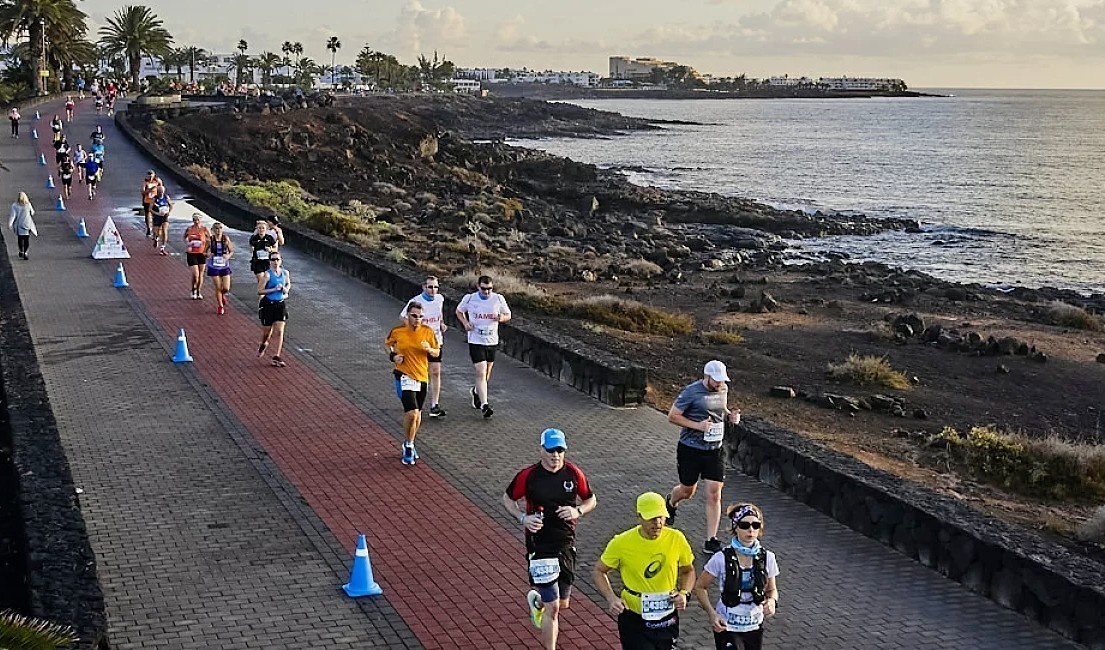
410,347
656,565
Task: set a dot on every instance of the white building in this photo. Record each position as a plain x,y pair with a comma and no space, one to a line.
507,75
640,69
788,82
216,65
465,86
862,83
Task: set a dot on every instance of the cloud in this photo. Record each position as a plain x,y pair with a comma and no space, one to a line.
510,35
419,30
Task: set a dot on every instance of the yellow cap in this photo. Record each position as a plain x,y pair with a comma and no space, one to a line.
651,505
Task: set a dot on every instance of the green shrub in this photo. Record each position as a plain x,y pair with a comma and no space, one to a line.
631,316
25,633
867,371
1066,315
285,198
335,223
723,336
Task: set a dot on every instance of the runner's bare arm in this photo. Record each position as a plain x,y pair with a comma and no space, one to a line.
602,582
676,417
685,583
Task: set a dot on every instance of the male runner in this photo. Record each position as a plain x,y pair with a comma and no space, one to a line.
410,347
273,287
480,313
432,308
148,192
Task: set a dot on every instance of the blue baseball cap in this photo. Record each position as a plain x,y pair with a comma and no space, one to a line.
553,438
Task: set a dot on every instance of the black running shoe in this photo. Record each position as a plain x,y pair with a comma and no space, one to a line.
475,399
711,546
436,411
671,510
488,411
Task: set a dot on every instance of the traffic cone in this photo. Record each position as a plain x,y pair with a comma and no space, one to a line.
82,230
60,207
50,182
181,355
120,278
34,134
37,116
361,582
42,159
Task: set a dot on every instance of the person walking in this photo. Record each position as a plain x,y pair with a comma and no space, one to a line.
14,117
410,347
433,305
273,287
557,495
262,243
656,566
701,411
218,253
23,223
196,238
745,573
162,205
480,313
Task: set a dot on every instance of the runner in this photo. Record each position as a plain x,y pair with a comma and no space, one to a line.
273,287
98,136
61,150
14,116
69,106
701,411
111,104
97,151
92,175
219,251
65,174
196,238
162,205
432,308
410,347
656,565
745,572
559,488
262,242
273,224
56,126
80,157
148,192
480,313
99,102
80,87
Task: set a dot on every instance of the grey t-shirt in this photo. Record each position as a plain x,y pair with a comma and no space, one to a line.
699,403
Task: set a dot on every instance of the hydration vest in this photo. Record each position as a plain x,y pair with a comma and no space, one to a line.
732,589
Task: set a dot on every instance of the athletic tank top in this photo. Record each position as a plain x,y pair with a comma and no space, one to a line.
275,279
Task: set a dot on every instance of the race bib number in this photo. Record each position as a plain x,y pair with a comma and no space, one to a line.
716,432
163,210
407,383
218,262
485,331
658,606
545,571
262,255
743,619
195,245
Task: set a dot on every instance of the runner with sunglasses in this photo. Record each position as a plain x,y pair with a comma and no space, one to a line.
410,347
273,287
480,313
556,495
433,305
745,573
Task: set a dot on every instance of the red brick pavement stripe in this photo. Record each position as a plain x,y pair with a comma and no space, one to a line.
452,586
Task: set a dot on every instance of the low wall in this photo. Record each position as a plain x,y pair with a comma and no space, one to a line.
62,584
600,375
1012,566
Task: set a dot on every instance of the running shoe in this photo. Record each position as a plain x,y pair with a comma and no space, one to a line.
414,452
149,234
436,411
219,310
475,399
194,295
711,546
260,348
671,510
163,251
199,296
278,362
487,411
536,609
408,454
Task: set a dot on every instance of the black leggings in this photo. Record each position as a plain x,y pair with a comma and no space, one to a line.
24,242
15,127
753,640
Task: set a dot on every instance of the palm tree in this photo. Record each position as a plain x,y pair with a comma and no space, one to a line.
297,52
241,65
306,71
135,31
193,56
243,46
57,20
333,44
266,63
286,49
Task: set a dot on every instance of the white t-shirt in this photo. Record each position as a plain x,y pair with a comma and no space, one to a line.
483,314
747,616
431,312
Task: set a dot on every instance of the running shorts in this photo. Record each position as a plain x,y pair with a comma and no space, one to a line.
567,557
196,259
258,266
479,353
699,463
412,400
637,634
160,219
437,359
753,640
272,311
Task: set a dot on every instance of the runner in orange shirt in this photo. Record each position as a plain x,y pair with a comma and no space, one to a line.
410,347
148,192
195,245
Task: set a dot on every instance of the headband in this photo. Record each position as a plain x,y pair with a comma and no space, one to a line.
742,513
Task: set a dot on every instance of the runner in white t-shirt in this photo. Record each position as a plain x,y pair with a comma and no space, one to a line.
480,313
432,309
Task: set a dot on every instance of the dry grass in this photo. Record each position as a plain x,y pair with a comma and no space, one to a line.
1093,529
726,335
642,269
869,370
204,174
556,250
1066,315
1041,467
397,255
509,284
632,316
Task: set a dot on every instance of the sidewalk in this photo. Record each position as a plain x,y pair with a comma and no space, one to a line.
228,494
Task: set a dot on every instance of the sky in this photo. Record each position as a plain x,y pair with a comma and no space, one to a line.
928,43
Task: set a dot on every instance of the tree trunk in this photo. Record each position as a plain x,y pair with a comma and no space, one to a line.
37,54
135,69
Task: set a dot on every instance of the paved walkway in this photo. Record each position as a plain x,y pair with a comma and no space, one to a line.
223,497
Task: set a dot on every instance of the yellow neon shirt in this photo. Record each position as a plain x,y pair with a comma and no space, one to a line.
647,565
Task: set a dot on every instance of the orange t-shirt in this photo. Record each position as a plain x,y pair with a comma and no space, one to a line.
149,190
408,342
197,237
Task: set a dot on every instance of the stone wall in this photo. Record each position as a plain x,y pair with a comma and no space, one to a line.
62,585
601,375
1012,566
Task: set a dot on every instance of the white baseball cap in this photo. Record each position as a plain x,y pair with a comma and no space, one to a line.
716,370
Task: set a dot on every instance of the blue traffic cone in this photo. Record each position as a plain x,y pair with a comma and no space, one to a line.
60,207
360,579
181,355
37,116
82,230
34,134
50,182
42,159
120,278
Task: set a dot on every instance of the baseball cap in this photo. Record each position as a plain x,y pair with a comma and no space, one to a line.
651,505
716,370
553,438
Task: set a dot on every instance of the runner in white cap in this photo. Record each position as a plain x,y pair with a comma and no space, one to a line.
701,410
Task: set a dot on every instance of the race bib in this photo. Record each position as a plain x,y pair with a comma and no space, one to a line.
163,210
743,618
485,331
406,383
195,245
716,432
657,606
545,571
218,262
262,255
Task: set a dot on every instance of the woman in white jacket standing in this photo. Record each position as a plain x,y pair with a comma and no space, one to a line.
23,223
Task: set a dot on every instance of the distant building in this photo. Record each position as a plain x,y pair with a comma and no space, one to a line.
640,69
465,86
877,84
789,82
508,75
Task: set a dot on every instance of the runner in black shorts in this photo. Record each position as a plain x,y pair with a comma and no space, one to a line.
557,495
264,245
410,347
273,287
481,313
196,238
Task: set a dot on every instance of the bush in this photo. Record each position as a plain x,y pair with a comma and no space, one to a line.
1047,467
334,223
1093,529
514,287
1066,315
643,268
867,371
33,634
723,336
203,173
631,316
285,198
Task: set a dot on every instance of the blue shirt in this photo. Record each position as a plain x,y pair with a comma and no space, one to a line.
275,279
697,404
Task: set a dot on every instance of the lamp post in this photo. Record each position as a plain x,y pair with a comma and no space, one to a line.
42,56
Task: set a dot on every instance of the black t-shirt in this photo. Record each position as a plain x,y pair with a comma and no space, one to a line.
259,243
545,491
66,169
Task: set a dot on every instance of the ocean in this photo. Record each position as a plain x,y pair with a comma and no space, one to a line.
1008,185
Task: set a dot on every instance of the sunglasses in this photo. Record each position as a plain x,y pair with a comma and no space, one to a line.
486,288
414,316
745,525
274,259
430,286
557,450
